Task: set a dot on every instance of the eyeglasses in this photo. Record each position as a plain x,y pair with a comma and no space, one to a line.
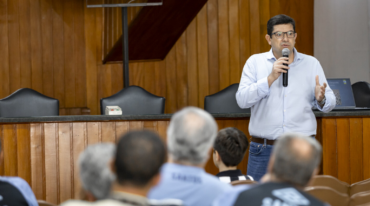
280,34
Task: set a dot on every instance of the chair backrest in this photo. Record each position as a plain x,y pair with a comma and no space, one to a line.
363,186
328,195
360,199
243,182
27,102
224,101
134,100
361,92
330,181
44,203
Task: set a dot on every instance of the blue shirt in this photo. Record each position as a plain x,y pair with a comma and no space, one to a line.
276,110
190,184
23,188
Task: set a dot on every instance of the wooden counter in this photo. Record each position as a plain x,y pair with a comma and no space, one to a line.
44,150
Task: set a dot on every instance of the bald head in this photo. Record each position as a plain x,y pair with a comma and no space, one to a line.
295,158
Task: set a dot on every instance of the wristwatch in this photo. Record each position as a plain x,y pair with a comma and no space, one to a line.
322,102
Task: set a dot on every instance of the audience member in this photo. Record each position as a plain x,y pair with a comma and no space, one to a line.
228,151
139,156
190,137
294,160
95,174
15,190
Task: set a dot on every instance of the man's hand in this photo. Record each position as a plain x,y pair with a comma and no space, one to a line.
277,69
319,90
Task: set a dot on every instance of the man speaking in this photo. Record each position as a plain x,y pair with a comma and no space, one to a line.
280,105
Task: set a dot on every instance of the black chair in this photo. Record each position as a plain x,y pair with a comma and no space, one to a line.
361,91
134,100
27,102
224,101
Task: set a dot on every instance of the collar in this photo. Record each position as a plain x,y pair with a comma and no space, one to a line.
232,173
129,198
297,55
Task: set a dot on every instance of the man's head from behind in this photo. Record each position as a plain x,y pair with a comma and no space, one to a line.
139,156
230,145
190,136
96,176
295,159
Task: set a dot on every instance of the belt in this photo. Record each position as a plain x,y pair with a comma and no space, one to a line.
262,140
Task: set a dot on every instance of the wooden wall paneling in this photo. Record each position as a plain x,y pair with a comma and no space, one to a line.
107,79
108,132
58,52
318,137
79,143
51,145
65,139
117,78
162,129
150,125
329,132
223,43
264,16
356,145
305,24
234,30
160,86
93,131
343,142
171,82
242,125
136,125
2,156
121,129
191,40
10,150
214,78
14,45
37,160
69,55
36,46
24,152
91,58
46,37
366,146
244,31
275,8
149,80
181,72
79,54
99,53
203,69
4,50
255,36
24,43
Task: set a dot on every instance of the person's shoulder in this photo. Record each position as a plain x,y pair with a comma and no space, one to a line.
259,55
214,182
307,57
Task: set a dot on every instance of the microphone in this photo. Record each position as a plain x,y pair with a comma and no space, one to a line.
285,53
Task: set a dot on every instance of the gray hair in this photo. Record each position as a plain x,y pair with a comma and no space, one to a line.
295,164
190,135
96,176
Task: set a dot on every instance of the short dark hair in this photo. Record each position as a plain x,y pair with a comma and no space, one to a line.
231,144
139,156
279,19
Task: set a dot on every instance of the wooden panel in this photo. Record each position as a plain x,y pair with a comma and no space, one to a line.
79,144
108,132
150,125
171,80
10,150
264,16
181,73
24,152
4,50
37,160
214,78
65,168
235,69
343,141
36,46
356,145
329,131
13,38
93,132
254,26
223,43
244,32
202,44
242,125
366,146
121,129
162,129
192,64
24,43
51,150
136,125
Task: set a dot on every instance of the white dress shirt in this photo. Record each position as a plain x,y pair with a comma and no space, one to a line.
276,110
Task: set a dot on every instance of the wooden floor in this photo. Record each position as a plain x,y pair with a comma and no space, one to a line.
45,154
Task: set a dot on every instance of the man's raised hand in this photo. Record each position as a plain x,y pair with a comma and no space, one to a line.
319,90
